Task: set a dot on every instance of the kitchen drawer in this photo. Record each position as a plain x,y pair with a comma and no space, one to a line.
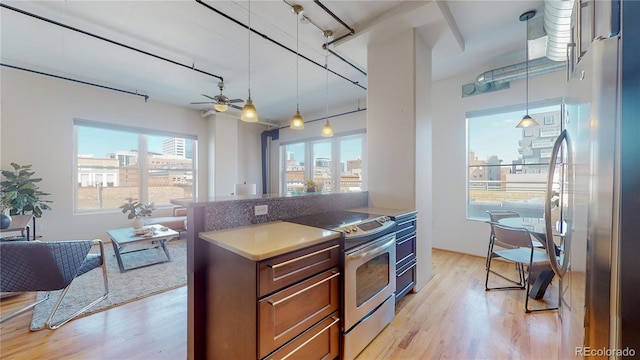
405,279
287,313
322,341
405,226
281,271
405,249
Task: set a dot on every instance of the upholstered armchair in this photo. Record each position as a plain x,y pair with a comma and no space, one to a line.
47,266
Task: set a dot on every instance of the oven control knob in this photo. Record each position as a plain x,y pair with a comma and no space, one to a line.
354,229
347,230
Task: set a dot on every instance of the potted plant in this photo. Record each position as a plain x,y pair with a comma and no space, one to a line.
137,211
20,192
310,185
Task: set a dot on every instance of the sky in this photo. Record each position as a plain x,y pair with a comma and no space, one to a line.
497,134
98,142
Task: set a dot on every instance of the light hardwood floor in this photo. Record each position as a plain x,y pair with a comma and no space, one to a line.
452,317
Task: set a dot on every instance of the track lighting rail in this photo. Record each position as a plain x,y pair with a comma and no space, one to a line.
146,97
192,67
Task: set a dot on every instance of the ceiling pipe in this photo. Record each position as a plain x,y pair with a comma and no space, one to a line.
201,2
351,31
192,67
325,44
146,97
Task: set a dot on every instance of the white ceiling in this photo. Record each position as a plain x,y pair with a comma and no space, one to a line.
466,36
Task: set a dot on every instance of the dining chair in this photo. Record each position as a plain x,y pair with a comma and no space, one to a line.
520,251
494,216
27,266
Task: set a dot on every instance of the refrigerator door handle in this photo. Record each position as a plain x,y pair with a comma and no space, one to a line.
559,263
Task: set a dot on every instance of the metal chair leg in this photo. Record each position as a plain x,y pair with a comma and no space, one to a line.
17,312
105,280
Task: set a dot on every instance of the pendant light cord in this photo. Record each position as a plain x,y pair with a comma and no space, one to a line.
526,42
326,67
249,42
297,63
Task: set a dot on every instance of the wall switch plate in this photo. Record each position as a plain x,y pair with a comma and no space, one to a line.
261,210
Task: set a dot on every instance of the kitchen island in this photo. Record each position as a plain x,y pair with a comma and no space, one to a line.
273,290
232,212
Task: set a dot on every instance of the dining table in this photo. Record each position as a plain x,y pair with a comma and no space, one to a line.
542,275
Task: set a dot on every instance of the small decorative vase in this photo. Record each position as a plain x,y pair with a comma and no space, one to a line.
138,223
5,221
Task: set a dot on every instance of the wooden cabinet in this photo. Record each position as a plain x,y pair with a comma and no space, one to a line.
287,306
405,254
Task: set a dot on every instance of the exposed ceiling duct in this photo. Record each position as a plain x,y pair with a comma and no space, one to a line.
557,26
518,71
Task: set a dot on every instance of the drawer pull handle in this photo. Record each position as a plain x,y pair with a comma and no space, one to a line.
302,257
335,320
278,302
414,263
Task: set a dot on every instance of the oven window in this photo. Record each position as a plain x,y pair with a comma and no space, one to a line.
371,278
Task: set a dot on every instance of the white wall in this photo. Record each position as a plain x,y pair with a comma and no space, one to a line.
37,128
236,154
391,122
451,230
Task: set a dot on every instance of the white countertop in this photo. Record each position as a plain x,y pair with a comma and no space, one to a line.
259,242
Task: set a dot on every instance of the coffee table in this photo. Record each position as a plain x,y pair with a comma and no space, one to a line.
120,238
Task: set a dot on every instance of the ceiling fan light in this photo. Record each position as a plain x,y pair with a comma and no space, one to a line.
222,107
327,130
527,121
297,122
249,112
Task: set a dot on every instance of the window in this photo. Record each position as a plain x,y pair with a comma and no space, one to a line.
336,163
117,162
294,175
508,166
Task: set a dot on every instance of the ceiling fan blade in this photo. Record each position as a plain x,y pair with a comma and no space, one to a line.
209,97
236,101
235,106
200,103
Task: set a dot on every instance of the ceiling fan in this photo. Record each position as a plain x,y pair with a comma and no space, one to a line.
220,102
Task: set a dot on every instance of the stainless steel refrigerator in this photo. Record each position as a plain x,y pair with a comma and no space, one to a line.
596,168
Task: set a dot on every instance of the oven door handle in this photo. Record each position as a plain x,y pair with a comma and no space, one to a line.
371,250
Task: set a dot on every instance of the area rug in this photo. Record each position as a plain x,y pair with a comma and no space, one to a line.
123,287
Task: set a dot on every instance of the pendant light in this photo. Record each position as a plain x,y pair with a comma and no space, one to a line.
297,122
327,130
527,121
249,112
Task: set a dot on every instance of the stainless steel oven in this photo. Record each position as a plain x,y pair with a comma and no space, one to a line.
369,273
369,286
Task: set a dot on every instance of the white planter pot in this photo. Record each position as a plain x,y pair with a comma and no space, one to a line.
138,223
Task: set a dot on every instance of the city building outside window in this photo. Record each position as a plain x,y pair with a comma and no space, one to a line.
116,162
336,163
508,166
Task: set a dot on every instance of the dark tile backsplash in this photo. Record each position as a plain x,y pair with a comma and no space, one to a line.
228,214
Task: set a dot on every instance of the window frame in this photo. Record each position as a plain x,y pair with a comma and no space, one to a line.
335,142
542,108
142,138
